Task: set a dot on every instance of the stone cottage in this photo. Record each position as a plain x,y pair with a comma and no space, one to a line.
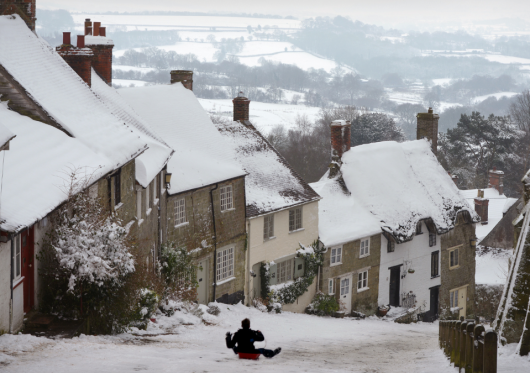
396,229
206,197
281,209
61,125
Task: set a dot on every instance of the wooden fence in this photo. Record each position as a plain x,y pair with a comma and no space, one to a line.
470,347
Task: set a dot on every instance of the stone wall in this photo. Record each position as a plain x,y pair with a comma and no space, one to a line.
198,233
365,301
464,274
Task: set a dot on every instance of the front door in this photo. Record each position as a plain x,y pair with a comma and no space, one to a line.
394,286
433,306
28,268
202,279
462,301
256,282
345,293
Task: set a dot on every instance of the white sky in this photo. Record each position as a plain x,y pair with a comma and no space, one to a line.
373,11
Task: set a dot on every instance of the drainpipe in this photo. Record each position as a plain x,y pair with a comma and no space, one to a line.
11,282
214,242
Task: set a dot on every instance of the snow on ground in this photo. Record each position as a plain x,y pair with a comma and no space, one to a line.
263,115
183,343
498,95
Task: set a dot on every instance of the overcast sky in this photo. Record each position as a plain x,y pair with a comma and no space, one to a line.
373,11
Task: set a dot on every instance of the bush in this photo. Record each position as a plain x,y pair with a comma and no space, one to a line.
323,304
178,273
146,307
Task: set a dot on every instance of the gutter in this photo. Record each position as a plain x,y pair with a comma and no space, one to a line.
214,241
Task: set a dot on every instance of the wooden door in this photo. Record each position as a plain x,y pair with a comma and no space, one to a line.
462,301
433,307
345,292
394,286
28,267
202,279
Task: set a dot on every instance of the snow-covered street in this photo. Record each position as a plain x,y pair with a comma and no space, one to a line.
185,343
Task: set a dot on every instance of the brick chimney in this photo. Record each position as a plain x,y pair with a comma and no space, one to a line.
481,207
428,128
79,58
340,137
241,107
183,76
26,9
496,180
101,47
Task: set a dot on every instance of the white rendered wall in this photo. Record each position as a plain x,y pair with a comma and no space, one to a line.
284,244
18,308
418,253
5,285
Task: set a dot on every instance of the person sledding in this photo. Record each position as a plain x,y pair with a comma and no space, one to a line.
244,338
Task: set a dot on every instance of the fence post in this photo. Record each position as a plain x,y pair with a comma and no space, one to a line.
456,350
478,353
450,339
490,351
440,329
462,362
446,344
469,345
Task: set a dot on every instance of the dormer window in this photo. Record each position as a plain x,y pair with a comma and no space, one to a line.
432,239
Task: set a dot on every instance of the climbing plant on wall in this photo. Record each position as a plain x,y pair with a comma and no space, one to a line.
313,258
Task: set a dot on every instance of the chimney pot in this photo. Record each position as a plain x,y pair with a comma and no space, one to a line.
427,127
87,25
102,31
183,76
80,41
89,31
66,38
97,25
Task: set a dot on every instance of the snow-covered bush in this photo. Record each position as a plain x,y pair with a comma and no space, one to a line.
323,304
147,306
178,272
87,263
213,310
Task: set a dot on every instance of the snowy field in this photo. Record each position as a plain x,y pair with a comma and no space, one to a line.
185,343
265,116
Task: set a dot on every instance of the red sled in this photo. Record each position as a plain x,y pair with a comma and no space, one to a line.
244,355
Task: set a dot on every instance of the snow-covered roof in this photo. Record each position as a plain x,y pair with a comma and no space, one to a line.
202,156
497,206
98,40
49,80
35,168
150,162
393,186
271,183
5,135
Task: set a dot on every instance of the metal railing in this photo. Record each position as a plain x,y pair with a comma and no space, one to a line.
470,347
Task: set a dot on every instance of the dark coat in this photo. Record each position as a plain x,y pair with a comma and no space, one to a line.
245,339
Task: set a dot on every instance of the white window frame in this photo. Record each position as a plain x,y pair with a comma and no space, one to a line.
335,256
331,287
225,264
362,281
139,205
268,227
295,215
456,250
226,197
179,211
17,259
285,271
364,247
344,286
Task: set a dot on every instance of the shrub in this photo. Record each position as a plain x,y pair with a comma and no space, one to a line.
323,304
178,273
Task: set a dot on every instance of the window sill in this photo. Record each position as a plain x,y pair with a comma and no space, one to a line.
225,280
433,277
331,294
17,282
297,230
269,239
140,222
455,267
118,206
182,224
363,256
228,210
148,212
362,290
335,264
